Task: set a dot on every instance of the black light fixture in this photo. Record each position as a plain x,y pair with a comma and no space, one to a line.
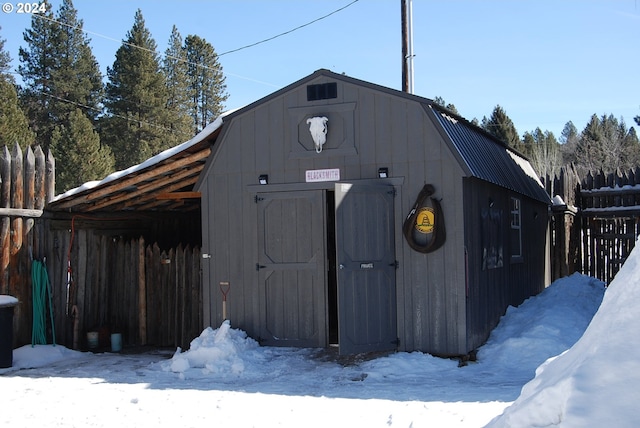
263,179
383,172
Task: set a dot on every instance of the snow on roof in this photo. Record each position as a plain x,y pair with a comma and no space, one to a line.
208,130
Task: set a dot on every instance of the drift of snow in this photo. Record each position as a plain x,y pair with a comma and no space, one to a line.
596,382
226,379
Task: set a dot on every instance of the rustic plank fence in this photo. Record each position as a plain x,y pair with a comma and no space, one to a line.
595,226
112,285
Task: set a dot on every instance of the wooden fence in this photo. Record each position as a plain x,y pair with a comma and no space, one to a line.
150,295
595,226
27,183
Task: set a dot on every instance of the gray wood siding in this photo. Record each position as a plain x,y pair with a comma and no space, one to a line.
492,290
390,132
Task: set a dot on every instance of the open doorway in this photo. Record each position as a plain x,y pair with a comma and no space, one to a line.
332,275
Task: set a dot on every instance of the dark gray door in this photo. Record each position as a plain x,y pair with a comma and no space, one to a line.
366,268
291,262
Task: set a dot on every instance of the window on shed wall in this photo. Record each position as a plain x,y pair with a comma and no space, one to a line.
516,230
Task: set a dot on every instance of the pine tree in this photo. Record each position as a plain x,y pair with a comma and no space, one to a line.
5,62
79,144
14,126
37,63
442,103
78,78
207,89
174,66
136,97
59,71
501,126
606,144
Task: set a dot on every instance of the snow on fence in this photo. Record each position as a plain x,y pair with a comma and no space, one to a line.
595,221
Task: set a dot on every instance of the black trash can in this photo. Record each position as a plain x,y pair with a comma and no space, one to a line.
7,303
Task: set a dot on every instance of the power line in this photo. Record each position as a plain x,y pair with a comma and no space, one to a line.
40,16
108,114
290,31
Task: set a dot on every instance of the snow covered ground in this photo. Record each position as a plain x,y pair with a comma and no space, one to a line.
226,380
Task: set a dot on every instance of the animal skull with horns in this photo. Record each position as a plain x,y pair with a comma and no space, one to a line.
318,130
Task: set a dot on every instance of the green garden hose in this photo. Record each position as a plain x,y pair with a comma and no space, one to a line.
40,289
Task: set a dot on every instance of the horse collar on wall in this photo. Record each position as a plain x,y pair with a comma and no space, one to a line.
318,130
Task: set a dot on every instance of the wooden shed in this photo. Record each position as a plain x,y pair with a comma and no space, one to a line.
304,199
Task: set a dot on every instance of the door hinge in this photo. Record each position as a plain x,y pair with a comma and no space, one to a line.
259,266
393,192
395,264
257,199
396,342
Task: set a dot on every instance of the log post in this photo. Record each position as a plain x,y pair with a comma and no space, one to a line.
5,232
142,294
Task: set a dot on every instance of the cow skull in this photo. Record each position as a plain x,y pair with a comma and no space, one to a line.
318,130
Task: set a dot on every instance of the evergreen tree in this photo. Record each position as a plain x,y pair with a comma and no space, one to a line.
136,98
501,126
79,145
207,89
607,144
441,102
78,78
14,126
175,70
5,62
59,71
37,63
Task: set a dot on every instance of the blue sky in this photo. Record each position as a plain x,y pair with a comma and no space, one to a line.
545,62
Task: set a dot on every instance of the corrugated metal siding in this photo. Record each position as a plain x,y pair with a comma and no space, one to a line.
489,160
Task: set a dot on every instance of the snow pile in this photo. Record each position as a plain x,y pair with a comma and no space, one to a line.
28,356
596,382
543,325
6,300
216,351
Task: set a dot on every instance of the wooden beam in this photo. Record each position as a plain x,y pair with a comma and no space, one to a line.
152,202
20,212
143,192
180,195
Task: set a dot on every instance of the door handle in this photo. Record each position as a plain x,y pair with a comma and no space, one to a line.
341,266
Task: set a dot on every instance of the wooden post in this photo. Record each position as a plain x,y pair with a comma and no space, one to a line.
50,177
29,196
142,294
5,233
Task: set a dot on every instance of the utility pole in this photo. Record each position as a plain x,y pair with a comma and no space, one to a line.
407,45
